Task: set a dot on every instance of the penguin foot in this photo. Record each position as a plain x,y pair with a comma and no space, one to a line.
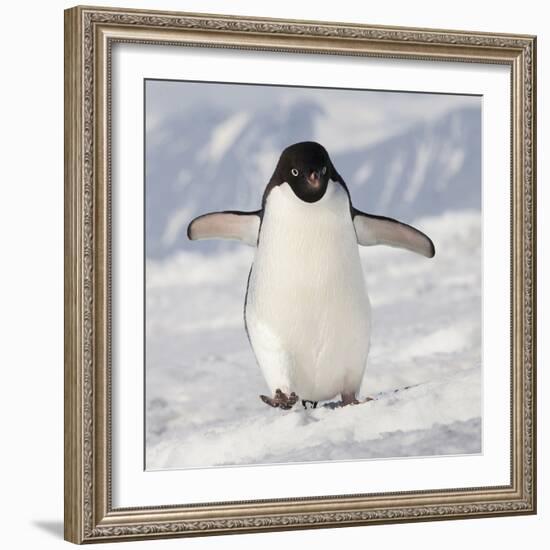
349,399
343,403
306,401
280,399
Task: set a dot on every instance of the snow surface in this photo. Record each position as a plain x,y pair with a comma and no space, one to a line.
202,381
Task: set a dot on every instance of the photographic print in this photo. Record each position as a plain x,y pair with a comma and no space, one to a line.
299,274
313,274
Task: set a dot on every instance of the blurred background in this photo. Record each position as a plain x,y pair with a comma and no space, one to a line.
411,156
214,147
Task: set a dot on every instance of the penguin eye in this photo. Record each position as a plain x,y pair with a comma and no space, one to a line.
324,170
294,172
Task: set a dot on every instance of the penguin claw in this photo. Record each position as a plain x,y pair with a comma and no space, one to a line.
349,399
342,403
280,400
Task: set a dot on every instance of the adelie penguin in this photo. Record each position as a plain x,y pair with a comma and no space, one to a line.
307,311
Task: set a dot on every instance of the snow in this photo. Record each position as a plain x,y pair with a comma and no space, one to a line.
424,154
202,381
348,121
176,223
395,171
362,174
224,136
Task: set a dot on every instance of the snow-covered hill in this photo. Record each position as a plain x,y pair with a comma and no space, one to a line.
202,382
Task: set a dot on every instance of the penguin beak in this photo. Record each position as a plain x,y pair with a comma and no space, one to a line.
314,179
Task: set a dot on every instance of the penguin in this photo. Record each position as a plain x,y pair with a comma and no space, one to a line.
307,311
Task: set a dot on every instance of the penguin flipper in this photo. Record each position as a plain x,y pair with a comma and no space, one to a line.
240,226
373,230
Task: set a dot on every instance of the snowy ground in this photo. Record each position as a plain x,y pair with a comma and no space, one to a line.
202,382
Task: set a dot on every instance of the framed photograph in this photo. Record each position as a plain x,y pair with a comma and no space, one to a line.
300,274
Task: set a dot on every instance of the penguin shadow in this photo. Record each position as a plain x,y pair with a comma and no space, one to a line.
302,415
310,414
337,405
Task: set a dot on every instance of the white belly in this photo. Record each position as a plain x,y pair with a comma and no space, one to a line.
307,308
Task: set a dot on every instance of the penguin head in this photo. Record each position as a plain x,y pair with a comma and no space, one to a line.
307,169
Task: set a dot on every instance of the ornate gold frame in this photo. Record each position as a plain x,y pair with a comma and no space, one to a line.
89,35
